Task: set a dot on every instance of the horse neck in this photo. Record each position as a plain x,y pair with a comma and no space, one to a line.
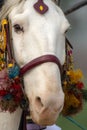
10,121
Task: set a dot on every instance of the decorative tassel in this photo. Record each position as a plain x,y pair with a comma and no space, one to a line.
11,94
73,87
4,22
13,70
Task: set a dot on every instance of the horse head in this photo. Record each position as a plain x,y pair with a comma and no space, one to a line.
33,35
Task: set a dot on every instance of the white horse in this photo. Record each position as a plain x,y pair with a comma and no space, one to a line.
35,35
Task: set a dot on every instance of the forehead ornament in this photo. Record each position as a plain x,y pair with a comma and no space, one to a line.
41,7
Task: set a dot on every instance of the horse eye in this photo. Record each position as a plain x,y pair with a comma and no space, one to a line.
18,28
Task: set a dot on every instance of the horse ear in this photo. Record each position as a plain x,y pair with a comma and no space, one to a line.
57,2
64,25
64,22
1,3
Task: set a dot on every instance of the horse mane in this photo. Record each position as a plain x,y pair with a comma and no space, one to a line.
6,6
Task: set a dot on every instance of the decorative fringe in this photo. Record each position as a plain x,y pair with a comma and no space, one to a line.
11,94
73,87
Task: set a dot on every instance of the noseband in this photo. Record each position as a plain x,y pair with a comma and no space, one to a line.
38,61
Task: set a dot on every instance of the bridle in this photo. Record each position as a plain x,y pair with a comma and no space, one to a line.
35,62
31,64
26,68
9,59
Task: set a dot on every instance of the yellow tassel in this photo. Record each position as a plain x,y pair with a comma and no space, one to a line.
10,65
3,40
71,101
3,23
75,75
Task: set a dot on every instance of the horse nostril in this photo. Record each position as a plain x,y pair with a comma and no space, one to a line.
39,102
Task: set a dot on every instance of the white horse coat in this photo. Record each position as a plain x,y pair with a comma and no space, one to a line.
35,35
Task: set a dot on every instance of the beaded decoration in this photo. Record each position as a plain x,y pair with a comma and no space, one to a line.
41,7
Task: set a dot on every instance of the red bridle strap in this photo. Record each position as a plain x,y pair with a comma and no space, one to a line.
40,60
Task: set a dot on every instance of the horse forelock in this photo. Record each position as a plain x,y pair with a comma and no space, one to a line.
6,6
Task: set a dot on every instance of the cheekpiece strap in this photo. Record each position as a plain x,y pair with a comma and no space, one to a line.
11,92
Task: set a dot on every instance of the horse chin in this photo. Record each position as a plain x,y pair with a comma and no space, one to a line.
45,118
44,121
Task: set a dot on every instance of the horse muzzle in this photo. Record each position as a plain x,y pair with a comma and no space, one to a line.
46,113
